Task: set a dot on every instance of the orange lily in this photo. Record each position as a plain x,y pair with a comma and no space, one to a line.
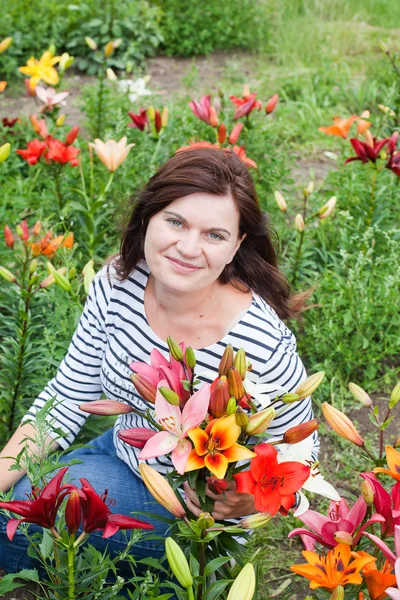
340,127
333,569
3,85
378,580
393,462
215,446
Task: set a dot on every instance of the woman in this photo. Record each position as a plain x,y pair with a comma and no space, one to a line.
197,263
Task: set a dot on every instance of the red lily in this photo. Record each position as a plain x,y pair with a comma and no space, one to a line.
140,120
272,484
340,519
367,152
271,104
9,122
35,150
97,515
245,105
62,153
137,436
42,506
204,111
387,505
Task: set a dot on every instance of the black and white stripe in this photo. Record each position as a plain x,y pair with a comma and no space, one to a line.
113,332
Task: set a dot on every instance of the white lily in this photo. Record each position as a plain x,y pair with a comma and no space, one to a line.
135,89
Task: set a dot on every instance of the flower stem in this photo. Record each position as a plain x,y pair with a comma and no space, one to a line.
58,190
202,566
71,573
381,433
372,198
190,593
297,260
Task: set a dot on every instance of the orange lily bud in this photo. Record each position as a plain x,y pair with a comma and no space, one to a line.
307,387
213,117
7,275
280,200
222,133
255,521
298,433
164,117
226,361
338,594
105,408
161,490
219,397
241,418
341,424
91,43
157,120
343,537
190,357
108,49
50,280
235,133
175,349
260,421
395,396
271,104
73,512
36,249
235,384
246,90
35,124
363,125
396,443
71,136
36,228
8,237
327,208
299,223
170,396
144,388
368,138
240,363
244,585
5,44
3,85
360,395
367,492
23,231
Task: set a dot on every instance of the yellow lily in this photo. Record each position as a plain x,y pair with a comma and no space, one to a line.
41,69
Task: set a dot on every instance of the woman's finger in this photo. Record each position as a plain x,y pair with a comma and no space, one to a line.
191,494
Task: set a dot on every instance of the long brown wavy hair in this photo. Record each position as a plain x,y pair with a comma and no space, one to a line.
222,173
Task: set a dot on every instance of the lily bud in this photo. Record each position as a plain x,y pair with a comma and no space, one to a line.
190,358
108,49
246,90
310,187
222,133
66,61
33,266
241,417
73,512
308,387
240,363
235,385
327,208
71,136
396,443
290,398
23,231
226,361
255,521
260,421
178,563
338,593
88,275
383,47
91,43
341,424
298,433
231,406
161,490
7,275
205,521
72,273
151,113
157,121
244,586
213,117
170,396
111,76
48,281
164,116
175,349
62,281
219,397
217,103
144,388
280,200
4,152
5,44
360,395
217,486
271,104
117,42
299,223
36,228
367,492
343,537
235,133
52,49
8,237
105,408
395,395
136,437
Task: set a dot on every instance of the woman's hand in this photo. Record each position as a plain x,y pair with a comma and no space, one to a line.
229,505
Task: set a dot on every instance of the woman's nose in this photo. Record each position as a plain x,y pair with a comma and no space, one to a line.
189,245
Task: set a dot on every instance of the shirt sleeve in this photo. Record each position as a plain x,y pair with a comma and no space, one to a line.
284,369
78,377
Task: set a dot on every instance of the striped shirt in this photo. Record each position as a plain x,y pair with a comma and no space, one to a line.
114,331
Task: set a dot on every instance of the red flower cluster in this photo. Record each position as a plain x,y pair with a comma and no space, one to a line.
53,150
47,246
372,148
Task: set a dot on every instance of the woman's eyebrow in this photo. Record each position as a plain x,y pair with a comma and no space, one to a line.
174,214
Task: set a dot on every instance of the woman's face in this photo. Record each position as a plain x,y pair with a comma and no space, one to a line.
188,243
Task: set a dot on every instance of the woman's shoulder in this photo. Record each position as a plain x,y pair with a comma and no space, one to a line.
268,322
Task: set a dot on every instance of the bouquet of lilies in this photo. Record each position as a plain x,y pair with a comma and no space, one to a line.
217,438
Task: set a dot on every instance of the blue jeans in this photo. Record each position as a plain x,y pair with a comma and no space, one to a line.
103,469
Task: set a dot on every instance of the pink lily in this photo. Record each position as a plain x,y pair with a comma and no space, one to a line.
385,504
204,111
394,593
160,368
177,424
386,551
50,97
340,519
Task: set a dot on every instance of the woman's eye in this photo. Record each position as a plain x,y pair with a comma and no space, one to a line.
174,222
219,237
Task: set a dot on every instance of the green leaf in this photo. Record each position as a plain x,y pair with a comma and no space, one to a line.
215,564
216,588
47,544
